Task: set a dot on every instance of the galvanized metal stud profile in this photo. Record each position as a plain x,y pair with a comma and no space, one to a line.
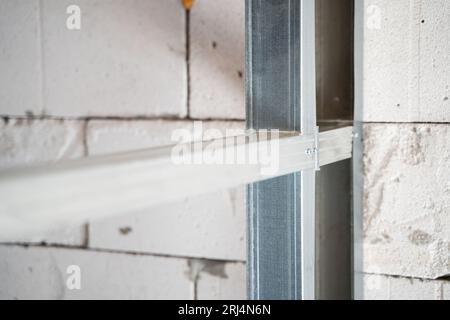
280,89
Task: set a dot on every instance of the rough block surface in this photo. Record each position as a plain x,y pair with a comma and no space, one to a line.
30,142
406,200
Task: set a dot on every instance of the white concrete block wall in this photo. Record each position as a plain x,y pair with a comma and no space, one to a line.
26,142
406,229
407,194
219,281
435,61
110,67
217,59
20,81
406,61
116,66
59,91
208,226
41,273
380,287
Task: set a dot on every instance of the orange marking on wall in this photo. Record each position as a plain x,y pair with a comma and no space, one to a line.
188,4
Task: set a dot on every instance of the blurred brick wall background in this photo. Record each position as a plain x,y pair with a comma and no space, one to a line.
122,82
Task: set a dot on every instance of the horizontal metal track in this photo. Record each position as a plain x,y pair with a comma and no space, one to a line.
82,190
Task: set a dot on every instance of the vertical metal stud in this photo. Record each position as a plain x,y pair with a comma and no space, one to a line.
280,90
308,126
